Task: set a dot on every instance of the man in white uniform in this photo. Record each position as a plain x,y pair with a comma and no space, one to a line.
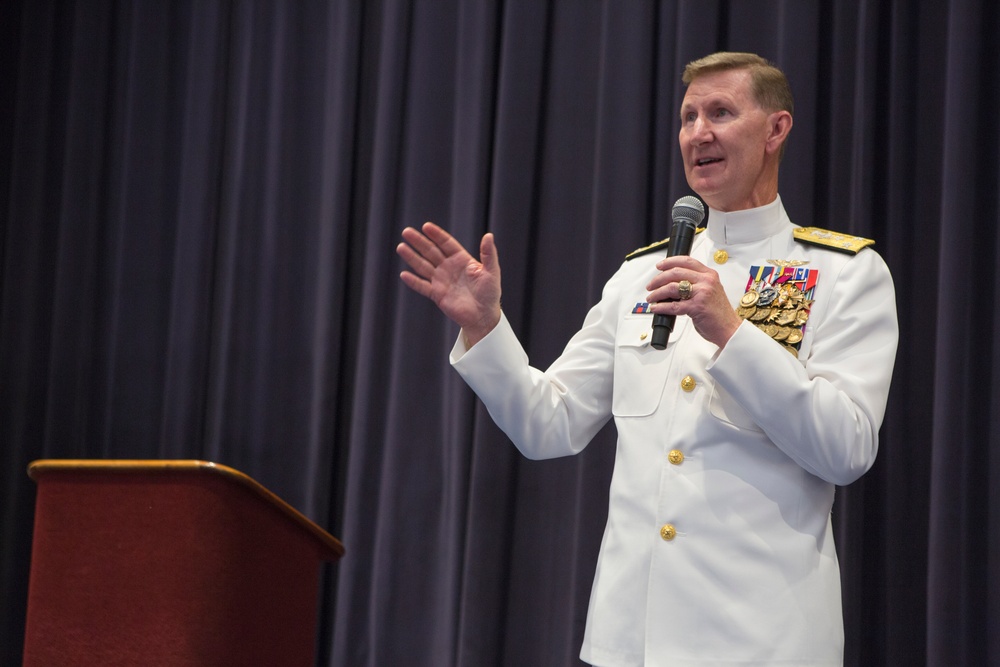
718,548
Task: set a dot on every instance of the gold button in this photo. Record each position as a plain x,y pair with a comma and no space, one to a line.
668,532
688,383
676,457
643,335
721,256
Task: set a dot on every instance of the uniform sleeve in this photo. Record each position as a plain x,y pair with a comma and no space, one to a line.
825,411
552,413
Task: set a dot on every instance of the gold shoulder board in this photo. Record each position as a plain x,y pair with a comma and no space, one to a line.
653,247
833,240
639,252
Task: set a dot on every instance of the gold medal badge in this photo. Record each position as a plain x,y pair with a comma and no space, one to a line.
777,300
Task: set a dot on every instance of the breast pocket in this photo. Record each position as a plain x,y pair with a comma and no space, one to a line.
640,369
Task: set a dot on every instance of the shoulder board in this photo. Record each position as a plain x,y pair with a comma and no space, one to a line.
653,247
833,240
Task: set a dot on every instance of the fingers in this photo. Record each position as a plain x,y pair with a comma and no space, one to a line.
671,292
431,243
445,244
418,285
424,245
680,261
675,269
430,249
415,261
666,285
699,281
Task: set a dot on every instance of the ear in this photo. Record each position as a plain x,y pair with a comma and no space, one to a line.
779,125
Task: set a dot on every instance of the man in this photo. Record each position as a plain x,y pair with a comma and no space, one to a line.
718,548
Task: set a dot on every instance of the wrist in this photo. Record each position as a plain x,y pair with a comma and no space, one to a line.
473,333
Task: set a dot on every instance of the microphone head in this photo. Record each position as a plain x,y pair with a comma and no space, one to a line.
688,208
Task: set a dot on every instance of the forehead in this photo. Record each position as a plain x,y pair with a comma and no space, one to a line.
726,86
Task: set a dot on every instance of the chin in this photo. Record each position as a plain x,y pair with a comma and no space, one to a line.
709,195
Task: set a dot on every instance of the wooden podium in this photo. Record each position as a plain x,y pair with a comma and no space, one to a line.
169,563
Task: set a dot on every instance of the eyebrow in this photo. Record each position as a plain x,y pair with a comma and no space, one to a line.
709,103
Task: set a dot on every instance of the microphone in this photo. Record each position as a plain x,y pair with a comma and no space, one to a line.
687,214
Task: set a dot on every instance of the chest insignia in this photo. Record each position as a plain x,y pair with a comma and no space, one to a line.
778,299
641,308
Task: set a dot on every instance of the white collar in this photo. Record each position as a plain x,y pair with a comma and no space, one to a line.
747,226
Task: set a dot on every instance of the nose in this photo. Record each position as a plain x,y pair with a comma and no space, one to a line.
701,132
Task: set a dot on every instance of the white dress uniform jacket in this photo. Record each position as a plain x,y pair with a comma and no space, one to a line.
718,548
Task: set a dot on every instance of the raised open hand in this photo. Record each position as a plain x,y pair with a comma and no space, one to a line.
465,289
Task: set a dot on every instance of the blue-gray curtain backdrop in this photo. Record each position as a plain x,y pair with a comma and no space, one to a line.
200,203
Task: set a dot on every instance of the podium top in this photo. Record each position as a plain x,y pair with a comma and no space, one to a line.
43,467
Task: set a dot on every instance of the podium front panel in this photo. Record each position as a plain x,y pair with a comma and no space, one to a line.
184,568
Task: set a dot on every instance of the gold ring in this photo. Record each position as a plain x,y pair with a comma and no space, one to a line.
684,289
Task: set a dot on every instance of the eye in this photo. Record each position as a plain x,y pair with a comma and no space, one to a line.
722,113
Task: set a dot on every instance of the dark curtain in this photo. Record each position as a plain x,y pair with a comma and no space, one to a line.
200,203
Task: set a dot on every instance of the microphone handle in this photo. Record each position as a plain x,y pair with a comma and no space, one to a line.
662,326
681,238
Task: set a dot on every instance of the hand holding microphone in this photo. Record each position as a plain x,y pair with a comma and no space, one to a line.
687,214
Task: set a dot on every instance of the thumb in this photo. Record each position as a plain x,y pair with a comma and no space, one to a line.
488,254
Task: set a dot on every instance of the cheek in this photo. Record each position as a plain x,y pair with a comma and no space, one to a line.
683,142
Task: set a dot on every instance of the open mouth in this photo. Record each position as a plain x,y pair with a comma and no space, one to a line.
702,162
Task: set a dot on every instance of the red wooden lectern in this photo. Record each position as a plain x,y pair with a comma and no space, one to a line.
169,563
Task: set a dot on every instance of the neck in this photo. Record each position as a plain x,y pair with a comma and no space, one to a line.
763,192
